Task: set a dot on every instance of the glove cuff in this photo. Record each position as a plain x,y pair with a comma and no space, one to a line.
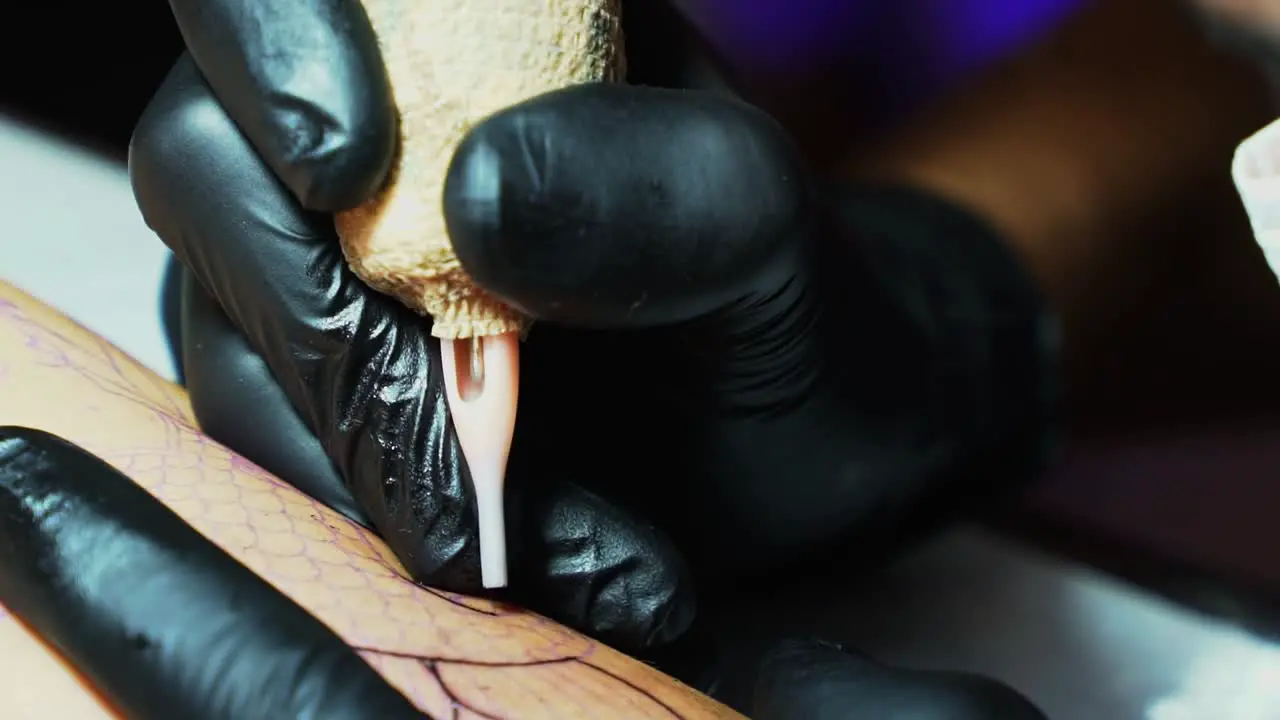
993,376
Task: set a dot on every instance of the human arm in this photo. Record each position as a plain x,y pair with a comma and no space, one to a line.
139,568
182,531
159,622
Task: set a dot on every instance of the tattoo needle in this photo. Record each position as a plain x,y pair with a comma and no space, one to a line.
482,384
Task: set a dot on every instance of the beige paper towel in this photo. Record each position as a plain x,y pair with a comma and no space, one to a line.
452,63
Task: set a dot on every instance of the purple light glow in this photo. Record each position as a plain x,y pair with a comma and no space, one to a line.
773,31
938,37
965,34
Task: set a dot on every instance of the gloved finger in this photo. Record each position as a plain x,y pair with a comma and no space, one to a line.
278,274
638,595
813,680
592,566
305,81
238,402
161,621
615,206
364,375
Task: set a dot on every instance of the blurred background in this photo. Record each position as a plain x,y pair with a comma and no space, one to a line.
100,63
1159,522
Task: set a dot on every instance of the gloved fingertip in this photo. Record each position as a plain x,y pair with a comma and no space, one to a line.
306,85
594,567
16,444
330,161
793,660
473,197
642,602
819,680
95,564
593,206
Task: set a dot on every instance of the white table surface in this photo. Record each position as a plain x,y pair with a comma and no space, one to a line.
74,238
1082,645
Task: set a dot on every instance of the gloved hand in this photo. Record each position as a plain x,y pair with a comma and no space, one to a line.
815,680
156,617
278,116
766,365
164,624
761,365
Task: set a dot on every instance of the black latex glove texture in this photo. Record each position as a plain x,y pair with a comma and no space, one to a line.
815,680
303,86
359,393
279,115
756,392
765,366
157,618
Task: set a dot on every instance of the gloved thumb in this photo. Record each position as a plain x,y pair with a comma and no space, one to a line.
610,206
816,680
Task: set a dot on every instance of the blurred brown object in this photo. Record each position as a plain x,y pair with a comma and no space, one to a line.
1104,153
1261,16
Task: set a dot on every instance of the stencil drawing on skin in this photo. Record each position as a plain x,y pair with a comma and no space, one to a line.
451,656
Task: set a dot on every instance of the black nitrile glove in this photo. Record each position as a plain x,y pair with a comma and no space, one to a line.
814,680
275,119
157,618
763,367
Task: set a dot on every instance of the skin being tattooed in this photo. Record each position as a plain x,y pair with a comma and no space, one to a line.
451,656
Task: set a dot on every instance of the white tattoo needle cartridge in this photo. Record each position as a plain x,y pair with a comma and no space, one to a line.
482,383
450,64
